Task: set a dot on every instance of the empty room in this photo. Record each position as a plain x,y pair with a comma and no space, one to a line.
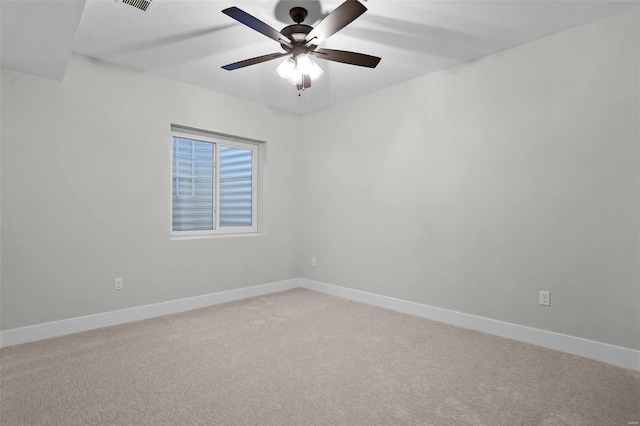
319,212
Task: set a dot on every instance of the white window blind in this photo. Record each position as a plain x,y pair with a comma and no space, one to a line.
235,195
192,185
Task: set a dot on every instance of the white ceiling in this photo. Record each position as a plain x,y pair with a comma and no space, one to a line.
189,40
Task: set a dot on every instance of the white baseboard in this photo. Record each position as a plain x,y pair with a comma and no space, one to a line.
616,355
74,325
598,351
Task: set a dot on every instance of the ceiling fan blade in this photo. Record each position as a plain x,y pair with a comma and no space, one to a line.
253,22
351,58
342,16
253,61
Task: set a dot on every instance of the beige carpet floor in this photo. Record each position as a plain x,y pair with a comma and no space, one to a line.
304,358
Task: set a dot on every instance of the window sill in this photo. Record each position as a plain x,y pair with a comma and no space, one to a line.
207,236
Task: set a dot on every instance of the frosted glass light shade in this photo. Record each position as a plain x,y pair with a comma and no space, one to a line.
286,68
315,72
304,64
296,76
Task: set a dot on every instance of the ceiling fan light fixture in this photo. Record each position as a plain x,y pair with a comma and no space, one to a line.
286,68
294,70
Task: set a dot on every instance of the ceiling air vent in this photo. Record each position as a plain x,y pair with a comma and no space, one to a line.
138,4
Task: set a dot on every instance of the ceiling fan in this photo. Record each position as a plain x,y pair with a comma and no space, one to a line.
301,41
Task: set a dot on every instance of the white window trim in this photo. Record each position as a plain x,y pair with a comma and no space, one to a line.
225,140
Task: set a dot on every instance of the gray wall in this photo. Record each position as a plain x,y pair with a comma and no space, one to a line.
474,188
469,189
86,194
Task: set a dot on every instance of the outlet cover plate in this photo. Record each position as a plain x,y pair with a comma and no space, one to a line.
545,298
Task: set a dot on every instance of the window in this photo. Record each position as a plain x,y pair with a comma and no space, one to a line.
214,184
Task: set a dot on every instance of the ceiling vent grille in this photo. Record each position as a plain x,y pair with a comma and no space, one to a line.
138,4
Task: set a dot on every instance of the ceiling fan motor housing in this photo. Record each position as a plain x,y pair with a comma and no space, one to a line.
296,33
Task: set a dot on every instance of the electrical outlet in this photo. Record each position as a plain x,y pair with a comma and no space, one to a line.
545,298
118,284
314,262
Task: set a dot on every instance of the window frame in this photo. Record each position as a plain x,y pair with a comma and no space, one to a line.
217,140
